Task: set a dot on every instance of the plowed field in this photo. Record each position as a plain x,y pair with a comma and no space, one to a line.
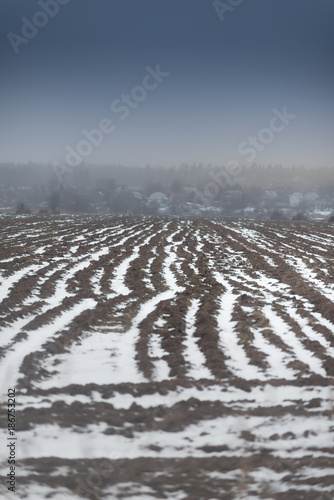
161,358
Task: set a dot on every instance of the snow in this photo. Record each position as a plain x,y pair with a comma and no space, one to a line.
264,396
106,353
111,356
237,360
37,491
96,281
8,333
147,279
308,330
276,358
10,366
311,435
310,276
192,353
290,339
117,285
156,353
10,281
137,491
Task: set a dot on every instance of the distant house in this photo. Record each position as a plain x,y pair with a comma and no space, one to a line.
124,201
270,195
158,197
270,199
138,195
312,199
296,199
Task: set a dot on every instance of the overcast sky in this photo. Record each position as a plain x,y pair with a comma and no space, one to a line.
222,77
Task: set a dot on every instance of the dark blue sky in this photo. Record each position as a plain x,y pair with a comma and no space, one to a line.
225,78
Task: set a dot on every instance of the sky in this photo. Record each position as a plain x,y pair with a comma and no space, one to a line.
165,82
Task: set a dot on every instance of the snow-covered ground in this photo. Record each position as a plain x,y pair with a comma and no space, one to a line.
194,359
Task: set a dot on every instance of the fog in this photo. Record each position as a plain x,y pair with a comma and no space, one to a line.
195,100
199,190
